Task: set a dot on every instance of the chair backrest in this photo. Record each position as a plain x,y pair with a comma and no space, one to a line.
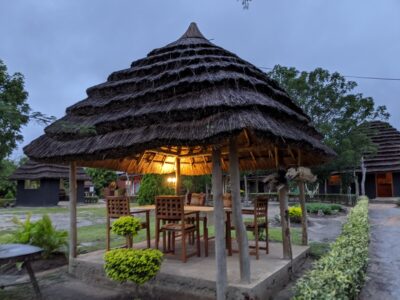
261,209
117,206
170,207
197,199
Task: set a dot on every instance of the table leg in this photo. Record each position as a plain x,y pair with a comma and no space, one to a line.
228,233
35,285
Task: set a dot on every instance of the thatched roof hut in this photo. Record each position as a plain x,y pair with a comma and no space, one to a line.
188,107
42,184
33,170
178,101
387,140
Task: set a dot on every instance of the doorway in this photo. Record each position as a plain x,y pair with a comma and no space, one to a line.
384,184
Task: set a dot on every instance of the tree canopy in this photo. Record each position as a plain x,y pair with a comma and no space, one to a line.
335,109
101,178
15,111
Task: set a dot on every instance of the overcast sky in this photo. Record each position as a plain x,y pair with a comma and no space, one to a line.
65,46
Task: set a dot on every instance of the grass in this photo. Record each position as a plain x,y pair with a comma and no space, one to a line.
93,237
318,249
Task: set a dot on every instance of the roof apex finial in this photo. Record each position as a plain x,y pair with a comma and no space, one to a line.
192,32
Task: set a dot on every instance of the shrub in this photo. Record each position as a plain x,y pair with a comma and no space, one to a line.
126,226
295,214
91,199
7,202
41,233
341,272
151,186
327,209
136,265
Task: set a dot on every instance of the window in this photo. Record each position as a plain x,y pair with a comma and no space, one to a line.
32,184
334,180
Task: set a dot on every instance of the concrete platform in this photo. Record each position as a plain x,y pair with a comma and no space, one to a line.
196,278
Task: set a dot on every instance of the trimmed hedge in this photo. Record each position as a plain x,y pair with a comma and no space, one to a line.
126,225
136,265
341,272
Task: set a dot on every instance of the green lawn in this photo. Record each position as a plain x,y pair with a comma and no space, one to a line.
93,237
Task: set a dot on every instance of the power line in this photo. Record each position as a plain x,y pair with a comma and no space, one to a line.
356,76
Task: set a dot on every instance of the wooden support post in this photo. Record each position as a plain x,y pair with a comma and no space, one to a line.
285,222
219,223
72,215
177,176
304,227
241,234
246,189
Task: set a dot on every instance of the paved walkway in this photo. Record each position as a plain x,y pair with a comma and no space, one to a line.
384,266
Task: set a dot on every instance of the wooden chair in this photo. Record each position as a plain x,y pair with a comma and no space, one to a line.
170,211
259,223
195,199
118,206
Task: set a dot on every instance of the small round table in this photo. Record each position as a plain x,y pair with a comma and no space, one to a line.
13,253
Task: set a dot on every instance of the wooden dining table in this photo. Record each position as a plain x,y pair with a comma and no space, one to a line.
208,210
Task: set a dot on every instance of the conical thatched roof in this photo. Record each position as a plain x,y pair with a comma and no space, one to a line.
178,101
387,140
33,171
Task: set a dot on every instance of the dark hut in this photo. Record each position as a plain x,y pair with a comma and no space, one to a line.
40,184
382,168
192,108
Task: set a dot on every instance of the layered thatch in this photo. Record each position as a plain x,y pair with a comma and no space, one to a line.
178,101
387,140
34,171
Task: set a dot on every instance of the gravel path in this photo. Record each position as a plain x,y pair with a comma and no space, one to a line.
384,253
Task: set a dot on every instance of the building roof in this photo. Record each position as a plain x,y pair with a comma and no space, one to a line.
181,100
33,171
387,139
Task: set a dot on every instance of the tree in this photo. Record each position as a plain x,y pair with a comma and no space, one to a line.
336,111
15,111
101,178
7,187
151,186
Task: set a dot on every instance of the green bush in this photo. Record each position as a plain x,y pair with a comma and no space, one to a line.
151,186
136,265
327,209
7,202
341,272
91,199
126,226
295,214
41,233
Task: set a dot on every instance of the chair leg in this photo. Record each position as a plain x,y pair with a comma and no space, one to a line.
173,242
183,246
148,237
198,248
157,232
108,235
164,239
256,238
206,241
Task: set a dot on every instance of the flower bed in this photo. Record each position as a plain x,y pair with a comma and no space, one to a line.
341,272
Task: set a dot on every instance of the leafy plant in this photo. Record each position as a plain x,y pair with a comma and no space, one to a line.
126,226
151,186
341,272
101,178
295,214
41,233
136,265
327,209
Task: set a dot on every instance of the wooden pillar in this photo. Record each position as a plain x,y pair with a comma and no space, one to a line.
241,234
219,223
72,214
177,176
304,228
285,222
